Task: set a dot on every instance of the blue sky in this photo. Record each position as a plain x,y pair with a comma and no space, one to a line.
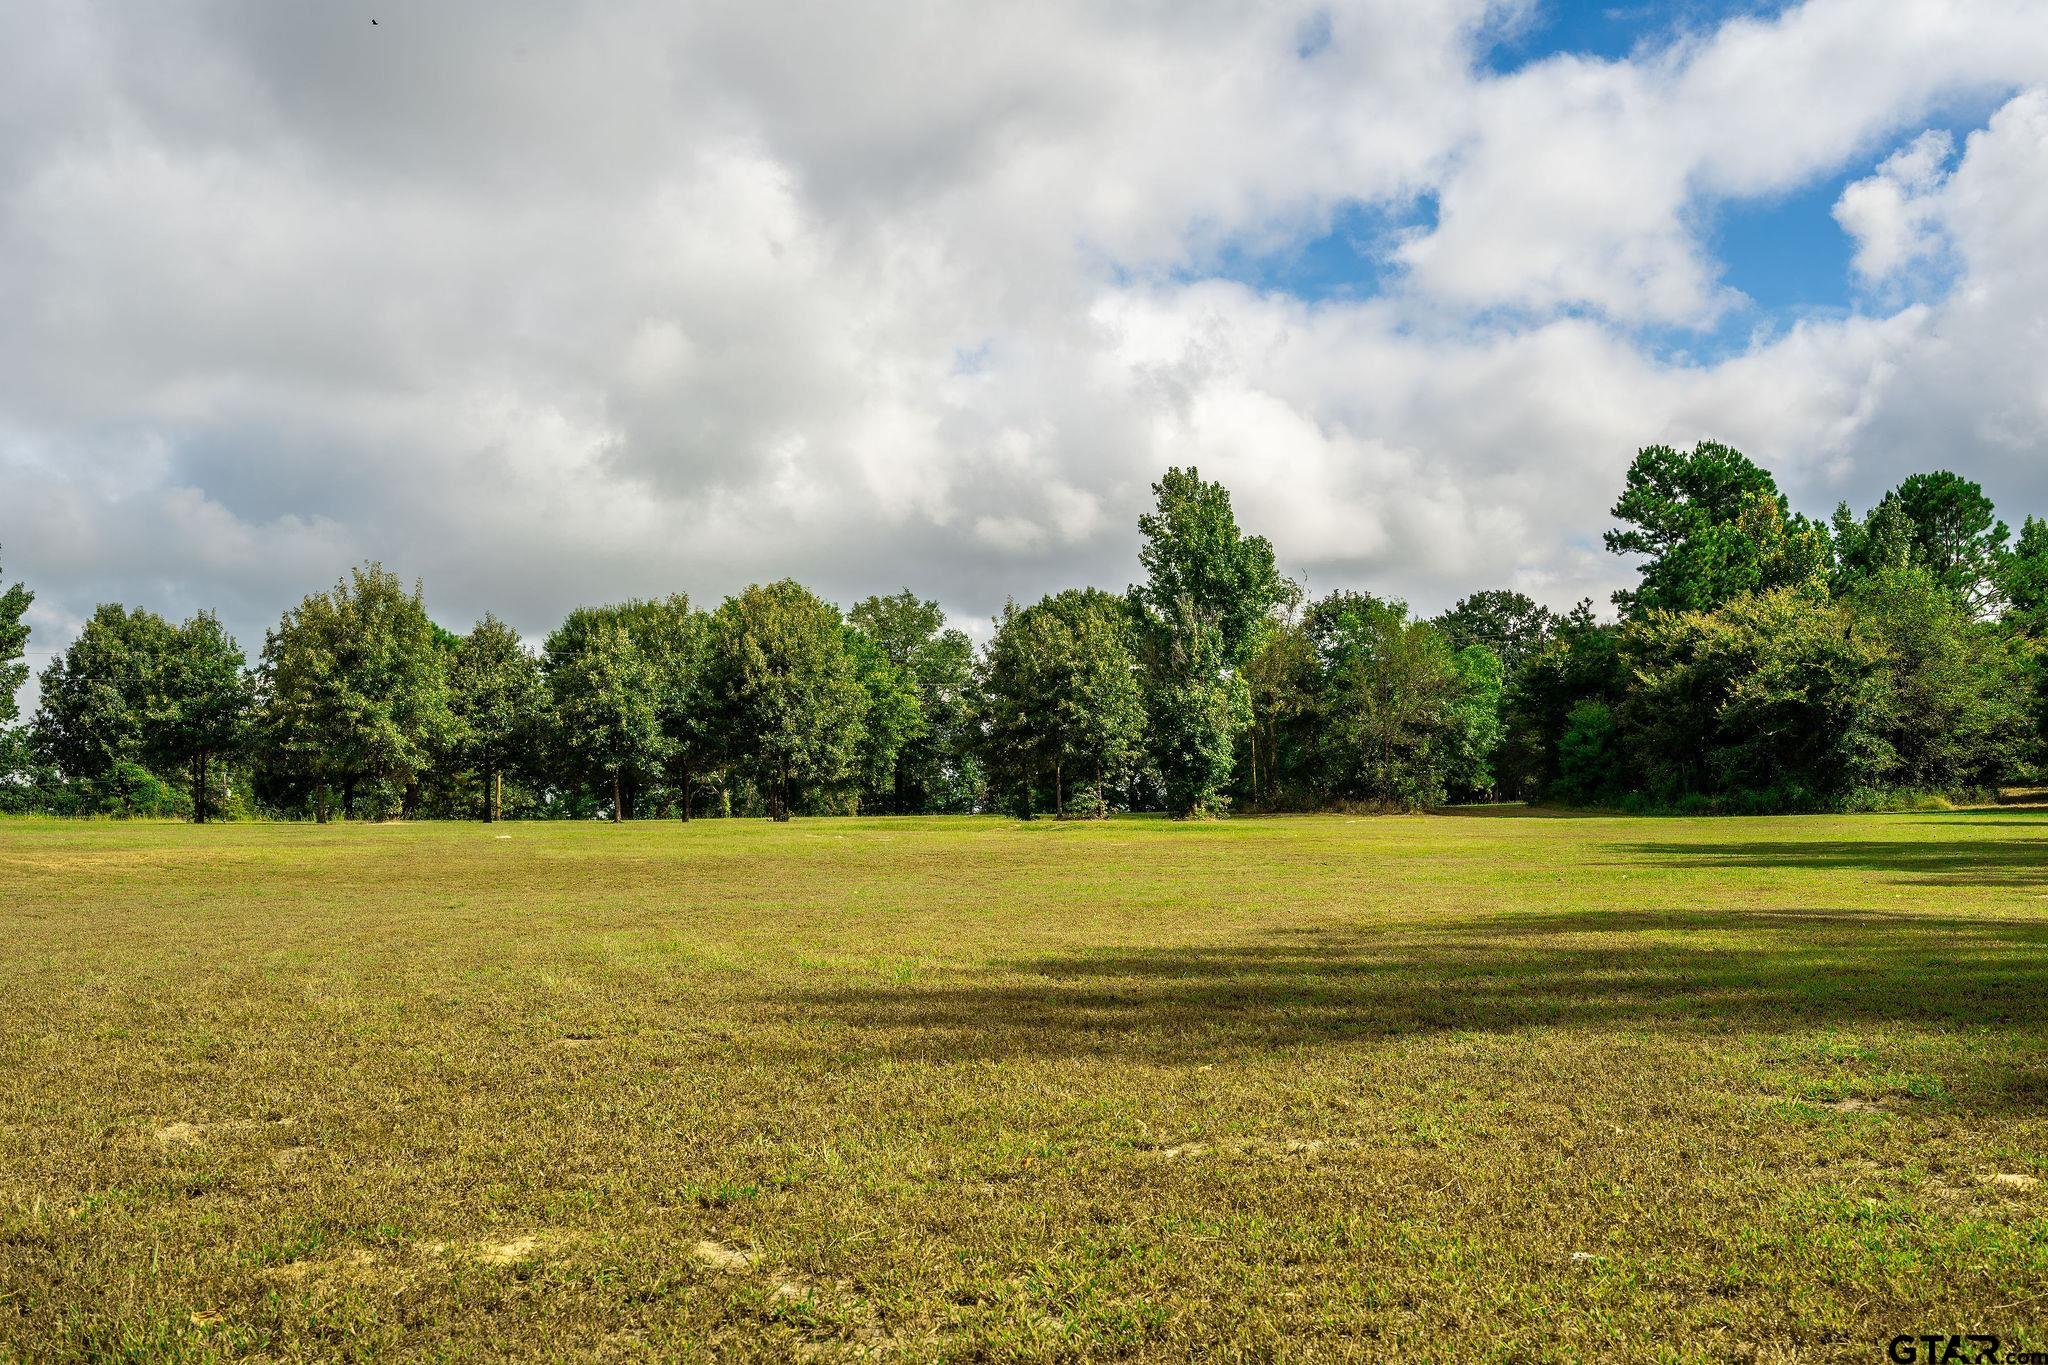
1614,30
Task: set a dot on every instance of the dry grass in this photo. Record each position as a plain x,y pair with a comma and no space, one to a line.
1489,1088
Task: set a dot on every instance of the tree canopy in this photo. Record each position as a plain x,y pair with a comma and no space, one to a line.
500,701
1760,661
790,695
1711,525
354,688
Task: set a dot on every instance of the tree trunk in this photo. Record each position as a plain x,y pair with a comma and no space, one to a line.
348,798
778,805
497,794
618,800
1101,806
688,778
199,788
1059,789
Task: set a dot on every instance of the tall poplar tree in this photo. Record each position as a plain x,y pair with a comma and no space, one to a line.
1208,592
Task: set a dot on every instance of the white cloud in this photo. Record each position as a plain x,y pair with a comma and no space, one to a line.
1893,215
1577,180
552,304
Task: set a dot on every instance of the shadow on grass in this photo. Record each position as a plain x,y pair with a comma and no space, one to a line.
1710,973
2015,862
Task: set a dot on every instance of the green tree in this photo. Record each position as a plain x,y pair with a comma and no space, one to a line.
2023,580
1591,768
1879,543
500,701
353,689
1208,593
1099,710
1015,680
14,756
1578,665
1195,554
1476,726
1957,536
607,702
787,694
671,638
1770,702
1194,710
1281,680
1510,624
893,719
97,699
199,716
1939,522
1064,698
675,638
1954,713
14,605
1712,526
935,768
1390,708
1783,700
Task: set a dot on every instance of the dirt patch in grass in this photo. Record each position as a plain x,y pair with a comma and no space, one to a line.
721,1256
1271,1148
357,1264
183,1133
512,1252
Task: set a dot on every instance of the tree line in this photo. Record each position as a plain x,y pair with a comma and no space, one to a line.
1763,661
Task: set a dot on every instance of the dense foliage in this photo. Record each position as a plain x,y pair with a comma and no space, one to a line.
1766,662
1763,660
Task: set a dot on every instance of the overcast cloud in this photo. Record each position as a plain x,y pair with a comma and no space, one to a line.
552,303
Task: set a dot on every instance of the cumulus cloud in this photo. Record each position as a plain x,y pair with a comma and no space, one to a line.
1893,215
1577,180
556,303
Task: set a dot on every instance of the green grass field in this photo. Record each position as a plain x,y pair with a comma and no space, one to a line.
1477,1087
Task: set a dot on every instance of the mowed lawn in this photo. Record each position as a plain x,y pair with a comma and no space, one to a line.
1476,1087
